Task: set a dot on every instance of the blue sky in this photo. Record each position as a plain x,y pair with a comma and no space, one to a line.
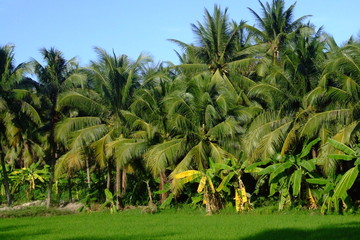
132,27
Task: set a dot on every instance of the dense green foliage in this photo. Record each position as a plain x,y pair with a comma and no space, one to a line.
259,114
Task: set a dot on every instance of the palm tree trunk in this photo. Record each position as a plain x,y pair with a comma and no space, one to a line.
6,180
88,173
52,156
149,193
51,179
165,195
108,178
123,182
118,185
207,202
70,189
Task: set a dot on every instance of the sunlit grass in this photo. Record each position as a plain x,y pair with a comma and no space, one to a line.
182,224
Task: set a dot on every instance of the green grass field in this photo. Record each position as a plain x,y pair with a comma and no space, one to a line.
183,224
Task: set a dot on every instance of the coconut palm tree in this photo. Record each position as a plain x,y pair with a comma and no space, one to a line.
204,120
149,116
336,102
283,94
275,25
222,46
17,114
216,41
103,127
55,77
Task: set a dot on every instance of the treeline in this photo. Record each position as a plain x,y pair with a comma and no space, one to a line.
267,113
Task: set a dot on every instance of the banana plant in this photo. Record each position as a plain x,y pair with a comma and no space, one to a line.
110,200
287,175
326,191
31,175
335,189
2,186
206,187
170,196
232,172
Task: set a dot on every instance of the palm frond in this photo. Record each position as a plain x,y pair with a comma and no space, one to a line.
272,142
227,129
31,112
315,122
99,147
64,128
75,80
71,161
125,150
164,155
271,94
88,135
197,156
79,101
218,154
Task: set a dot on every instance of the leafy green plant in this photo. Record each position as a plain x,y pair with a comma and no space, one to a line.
287,174
89,198
170,196
335,188
2,186
210,194
110,201
231,172
31,175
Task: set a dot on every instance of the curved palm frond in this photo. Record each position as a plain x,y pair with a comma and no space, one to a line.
87,135
31,112
126,150
79,101
163,155
316,121
65,128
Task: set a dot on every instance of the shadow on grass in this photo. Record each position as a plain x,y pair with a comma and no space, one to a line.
16,232
345,232
348,231
131,237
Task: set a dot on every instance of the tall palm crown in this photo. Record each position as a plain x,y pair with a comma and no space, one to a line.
55,77
203,117
9,75
283,93
275,24
102,124
54,73
112,81
215,38
217,45
116,78
17,115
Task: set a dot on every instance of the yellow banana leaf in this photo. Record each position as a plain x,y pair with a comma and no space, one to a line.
187,174
211,186
201,184
188,179
129,169
237,201
243,195
37,176
32,184
311,199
